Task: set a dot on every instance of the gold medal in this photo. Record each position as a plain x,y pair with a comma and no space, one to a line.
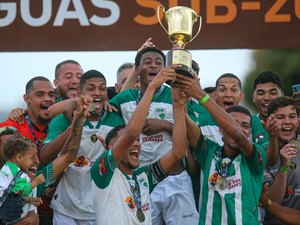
295,143
94,138
222,183
140,215
92,107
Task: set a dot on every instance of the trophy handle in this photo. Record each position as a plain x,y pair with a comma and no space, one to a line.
158,17
200,25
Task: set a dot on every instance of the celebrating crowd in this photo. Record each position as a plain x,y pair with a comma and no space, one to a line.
145,152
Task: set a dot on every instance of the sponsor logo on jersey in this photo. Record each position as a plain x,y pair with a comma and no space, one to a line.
130,202
143,183
102,168
81,161
234,183
156,138
160,113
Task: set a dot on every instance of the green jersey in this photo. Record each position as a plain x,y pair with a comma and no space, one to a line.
230,188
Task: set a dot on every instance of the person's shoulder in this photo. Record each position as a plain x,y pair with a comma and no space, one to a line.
10,123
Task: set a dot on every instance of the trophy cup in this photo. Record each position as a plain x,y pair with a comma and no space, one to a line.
180,20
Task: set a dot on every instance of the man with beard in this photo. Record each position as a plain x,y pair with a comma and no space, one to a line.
39,96
286,114
75,184
156,141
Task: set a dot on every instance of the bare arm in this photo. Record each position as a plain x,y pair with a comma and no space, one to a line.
131,80
50,151
286,215
31,218
71,146
136,123
153,126
226,122
179,132
278,188
67,105
193,132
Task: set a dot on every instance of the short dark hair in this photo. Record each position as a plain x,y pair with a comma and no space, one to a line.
90,74
16,145
112,134
209,90
29,84
149,49
240,109
229,75
58,66
266,77
281,102
195,67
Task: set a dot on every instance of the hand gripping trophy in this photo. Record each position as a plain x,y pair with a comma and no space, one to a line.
180,20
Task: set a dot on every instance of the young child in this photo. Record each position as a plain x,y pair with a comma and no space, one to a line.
19,154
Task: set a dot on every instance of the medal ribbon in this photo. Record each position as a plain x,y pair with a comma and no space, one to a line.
38,146
136,193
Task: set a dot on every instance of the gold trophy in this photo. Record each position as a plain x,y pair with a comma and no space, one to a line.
180,20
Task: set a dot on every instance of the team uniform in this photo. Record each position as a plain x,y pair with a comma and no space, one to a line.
39,132
211,130
72,201
292,194
231,198
175,190
113,191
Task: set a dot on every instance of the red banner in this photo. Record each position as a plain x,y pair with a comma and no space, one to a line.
93,25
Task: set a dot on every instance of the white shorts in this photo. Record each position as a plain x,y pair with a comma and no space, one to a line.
172,201
61,219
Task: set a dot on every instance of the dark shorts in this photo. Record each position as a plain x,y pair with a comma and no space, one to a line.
11,210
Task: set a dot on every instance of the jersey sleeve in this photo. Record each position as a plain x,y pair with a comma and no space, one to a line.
257,160
58,125
48,174
103,169
259,134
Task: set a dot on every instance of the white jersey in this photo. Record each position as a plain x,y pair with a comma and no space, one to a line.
113,196
73,196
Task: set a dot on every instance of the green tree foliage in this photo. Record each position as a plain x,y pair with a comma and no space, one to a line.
284,62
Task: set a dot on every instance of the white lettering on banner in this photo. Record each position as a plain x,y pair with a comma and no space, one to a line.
106,21
36,22
278,11
11,10
63,13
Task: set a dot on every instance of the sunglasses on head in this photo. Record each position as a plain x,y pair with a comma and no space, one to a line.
8,130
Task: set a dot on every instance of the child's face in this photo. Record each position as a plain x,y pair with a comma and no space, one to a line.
27,158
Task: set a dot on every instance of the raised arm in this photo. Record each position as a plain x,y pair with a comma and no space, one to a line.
178,151
71,146
136,123
225,121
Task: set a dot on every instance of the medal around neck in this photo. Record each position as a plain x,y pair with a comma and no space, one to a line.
222,183
140,215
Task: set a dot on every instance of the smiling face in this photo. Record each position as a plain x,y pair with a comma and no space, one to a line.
289,121
228,92
96,88
26,159
38,99
67,81
263,95
152,63
131,159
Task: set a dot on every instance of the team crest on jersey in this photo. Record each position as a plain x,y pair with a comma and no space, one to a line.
130,202
293,165
143,183
102,168
94,138
160,113
288,192
81,161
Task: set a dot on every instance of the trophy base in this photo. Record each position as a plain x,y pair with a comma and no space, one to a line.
183,58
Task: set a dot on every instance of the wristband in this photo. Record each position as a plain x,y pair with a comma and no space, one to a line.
283,169
204,99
